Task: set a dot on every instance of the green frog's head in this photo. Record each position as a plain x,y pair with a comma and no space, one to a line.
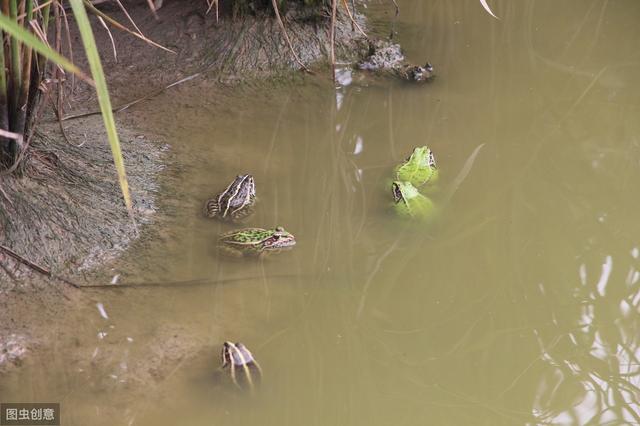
419,168
278,239
422,156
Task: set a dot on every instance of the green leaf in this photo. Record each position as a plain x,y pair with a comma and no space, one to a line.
103,96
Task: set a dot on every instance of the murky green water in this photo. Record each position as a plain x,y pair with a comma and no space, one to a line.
520,305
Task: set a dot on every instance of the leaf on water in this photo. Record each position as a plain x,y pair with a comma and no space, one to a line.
487,8
463,173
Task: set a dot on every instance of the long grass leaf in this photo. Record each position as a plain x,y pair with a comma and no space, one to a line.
103,96
20,34
463,173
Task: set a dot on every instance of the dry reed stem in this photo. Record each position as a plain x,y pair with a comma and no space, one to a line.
37,8
35,267
211,4
119,26
113,43
126,105
69,45
353,21
286,35
334,7
153,8
126,13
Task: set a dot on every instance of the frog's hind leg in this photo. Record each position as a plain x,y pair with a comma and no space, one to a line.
211,208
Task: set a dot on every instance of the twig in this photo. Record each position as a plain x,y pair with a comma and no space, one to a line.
286,36
353,21
118,25
15,136
113,43
18,160
35,9
187,283
334,7
35,267
395,18
70,46
397,7
58,104
211,4
153,9
126,105
126,13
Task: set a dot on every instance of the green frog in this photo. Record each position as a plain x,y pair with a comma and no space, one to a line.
409,202
236,202
255,241
420,168
244,370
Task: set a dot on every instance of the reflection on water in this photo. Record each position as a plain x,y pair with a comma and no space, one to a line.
519,305
594,363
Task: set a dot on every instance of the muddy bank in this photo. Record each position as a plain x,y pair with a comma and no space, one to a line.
228,50
67,216
66,213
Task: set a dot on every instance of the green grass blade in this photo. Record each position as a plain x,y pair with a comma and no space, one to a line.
23,36
97,72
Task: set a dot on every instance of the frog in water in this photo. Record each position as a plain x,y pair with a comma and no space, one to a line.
236,202
419,168
249,242
244,370
386,57
409,202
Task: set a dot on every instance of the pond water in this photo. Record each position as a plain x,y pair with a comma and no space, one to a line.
520,304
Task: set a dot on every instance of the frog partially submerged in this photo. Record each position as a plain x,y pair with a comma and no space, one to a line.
249,242
410,203
244,370
236,202
419,168
386,57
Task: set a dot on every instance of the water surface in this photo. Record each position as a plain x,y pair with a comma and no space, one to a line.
520,304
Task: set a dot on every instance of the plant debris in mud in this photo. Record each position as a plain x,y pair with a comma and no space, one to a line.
68,202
